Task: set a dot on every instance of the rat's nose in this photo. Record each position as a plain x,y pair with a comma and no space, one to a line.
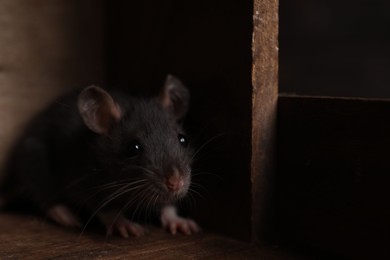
174,183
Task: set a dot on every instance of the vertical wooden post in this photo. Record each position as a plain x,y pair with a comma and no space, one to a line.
264,103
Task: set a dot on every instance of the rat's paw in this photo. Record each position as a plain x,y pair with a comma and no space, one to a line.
63,216
179,224
119,224
173,223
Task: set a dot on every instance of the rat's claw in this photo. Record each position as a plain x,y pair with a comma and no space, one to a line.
135,229
185,226
173,228
173,223
123,231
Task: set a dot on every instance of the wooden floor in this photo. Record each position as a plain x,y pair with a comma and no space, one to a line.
28,237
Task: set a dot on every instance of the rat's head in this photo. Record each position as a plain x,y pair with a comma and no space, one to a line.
141,139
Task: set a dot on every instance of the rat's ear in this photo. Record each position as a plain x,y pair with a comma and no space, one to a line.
98,109
175,97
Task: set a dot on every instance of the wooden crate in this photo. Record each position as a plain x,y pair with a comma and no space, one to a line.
219,51
303,172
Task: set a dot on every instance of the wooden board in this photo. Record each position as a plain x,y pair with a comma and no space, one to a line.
28,237
334,175
264,104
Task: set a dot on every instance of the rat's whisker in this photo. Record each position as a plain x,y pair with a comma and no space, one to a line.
144,192
124,208
197,193
107,201
107,186
206,143
149,207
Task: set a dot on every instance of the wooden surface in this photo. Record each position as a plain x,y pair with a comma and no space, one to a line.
264,100
334,175
27,237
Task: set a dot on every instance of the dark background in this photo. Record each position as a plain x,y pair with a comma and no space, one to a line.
335,48
333,179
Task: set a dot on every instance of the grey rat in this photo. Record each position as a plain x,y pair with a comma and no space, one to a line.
107,154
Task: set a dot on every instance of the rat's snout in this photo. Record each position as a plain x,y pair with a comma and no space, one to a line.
174,183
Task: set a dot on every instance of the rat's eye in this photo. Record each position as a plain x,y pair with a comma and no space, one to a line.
183,140
134,148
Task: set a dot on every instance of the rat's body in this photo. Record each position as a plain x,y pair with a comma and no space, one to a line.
106,154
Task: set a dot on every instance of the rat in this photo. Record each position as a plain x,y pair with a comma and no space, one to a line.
108,154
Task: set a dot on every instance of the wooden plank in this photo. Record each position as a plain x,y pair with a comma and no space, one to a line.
28,237
264,104
333,175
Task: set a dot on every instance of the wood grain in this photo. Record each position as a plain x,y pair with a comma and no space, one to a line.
28,237
264,104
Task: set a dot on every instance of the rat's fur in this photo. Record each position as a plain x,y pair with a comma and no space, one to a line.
105,154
